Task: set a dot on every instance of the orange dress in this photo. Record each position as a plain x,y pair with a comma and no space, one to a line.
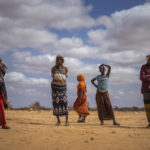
81,107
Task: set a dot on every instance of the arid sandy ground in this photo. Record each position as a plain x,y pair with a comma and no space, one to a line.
36,130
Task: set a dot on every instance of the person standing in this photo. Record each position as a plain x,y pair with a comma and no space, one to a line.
104,107
80,105
3,95
145,89
58,85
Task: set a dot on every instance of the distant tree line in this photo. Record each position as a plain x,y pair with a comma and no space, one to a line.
37,106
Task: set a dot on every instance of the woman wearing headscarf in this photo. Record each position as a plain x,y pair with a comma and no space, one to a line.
3,95
145,89
104,107
80,104
59,97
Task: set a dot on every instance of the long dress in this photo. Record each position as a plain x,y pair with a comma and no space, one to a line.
81,107
59,88
104,107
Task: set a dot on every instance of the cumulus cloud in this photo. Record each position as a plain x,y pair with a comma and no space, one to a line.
42,64
21,38
66,14
29,33
125,40
28,23
127,98
19,79
126,30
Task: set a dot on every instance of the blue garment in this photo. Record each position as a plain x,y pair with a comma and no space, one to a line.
102,82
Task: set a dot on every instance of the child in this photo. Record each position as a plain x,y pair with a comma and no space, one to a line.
104,107
80,104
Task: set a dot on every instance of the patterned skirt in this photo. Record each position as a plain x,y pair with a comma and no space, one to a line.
104,107
59,98
147,104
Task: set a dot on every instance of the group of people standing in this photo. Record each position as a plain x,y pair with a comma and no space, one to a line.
59,73
59,97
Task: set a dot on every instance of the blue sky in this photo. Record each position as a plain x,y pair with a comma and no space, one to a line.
87,33
107,7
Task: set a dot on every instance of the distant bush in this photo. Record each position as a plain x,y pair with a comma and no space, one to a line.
9,105
35,106
134,108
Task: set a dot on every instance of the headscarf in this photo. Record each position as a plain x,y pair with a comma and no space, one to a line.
81,80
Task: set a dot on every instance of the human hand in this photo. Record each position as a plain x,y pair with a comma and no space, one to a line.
5,105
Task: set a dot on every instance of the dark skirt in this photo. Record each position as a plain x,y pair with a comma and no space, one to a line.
104,107
3,92
59,98
147,104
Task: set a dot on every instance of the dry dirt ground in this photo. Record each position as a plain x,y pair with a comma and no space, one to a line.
36,130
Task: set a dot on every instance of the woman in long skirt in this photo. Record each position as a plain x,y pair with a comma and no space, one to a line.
58,85
104,107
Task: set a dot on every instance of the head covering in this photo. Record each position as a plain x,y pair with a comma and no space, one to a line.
81,80
147,57
80,77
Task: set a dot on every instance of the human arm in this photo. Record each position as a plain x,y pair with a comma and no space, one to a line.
3,67
52,72
66,71
80,95
109,69
92,81
143,76
5,105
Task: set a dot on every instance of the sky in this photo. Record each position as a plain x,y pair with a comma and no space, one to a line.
86,33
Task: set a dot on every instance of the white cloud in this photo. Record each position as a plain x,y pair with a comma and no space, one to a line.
66,14
124,75
125,40
28,23
126,30
19,79
42,64
26,32
126,98
22,38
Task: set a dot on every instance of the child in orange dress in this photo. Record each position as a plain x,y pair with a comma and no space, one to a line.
80,104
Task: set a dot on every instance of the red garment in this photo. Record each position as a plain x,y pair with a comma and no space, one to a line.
145,78
2,112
